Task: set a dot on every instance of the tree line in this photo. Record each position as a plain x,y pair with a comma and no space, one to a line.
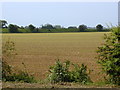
48,28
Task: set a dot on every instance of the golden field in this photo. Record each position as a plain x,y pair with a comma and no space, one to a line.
39,51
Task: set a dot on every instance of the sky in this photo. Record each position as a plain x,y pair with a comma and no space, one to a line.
60,13
119,13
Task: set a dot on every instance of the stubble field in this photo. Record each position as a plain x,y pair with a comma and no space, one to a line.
39,51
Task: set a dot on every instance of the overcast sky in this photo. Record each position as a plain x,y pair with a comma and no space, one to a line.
60,13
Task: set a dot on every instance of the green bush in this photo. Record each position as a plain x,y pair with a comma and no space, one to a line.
109,55
60,73
80,74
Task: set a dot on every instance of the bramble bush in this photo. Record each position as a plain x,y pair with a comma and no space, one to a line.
109,56
60,73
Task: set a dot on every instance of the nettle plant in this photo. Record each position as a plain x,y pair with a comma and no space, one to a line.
109,55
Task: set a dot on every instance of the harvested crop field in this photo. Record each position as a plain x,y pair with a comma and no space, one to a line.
39,51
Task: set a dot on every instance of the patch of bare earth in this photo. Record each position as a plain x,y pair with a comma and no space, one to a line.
49,85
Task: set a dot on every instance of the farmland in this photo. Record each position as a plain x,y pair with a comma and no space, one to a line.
39,51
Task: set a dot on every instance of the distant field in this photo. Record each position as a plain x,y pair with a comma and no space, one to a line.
40,50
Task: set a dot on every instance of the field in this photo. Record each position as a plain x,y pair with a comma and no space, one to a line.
39,51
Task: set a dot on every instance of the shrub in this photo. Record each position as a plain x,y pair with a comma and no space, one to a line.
80,74
109,55
60,73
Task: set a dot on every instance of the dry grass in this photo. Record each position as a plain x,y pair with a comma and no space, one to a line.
39,50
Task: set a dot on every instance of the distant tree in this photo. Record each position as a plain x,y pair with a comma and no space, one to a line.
36,30
57,27
3,24
82,28
99,27
47,26
13,28
21,27
72,27
31,28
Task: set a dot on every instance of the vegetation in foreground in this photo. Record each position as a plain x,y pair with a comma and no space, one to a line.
60,72
109,56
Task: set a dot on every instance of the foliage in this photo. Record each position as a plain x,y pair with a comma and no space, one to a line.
82,28
72,27
3,24
99,27
6,70
109,55
13,28
47,26
91,30
60,73
80,74
21,76
56,30
4,30
25,30
57,27
31,28
8,73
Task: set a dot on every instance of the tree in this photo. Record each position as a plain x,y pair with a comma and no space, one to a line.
47,26
22,27
3,24
36,30
109,55
99,27
82,28
31,28
57,27
72,27
13,28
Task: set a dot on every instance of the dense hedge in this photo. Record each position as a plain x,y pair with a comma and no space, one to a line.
5,30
